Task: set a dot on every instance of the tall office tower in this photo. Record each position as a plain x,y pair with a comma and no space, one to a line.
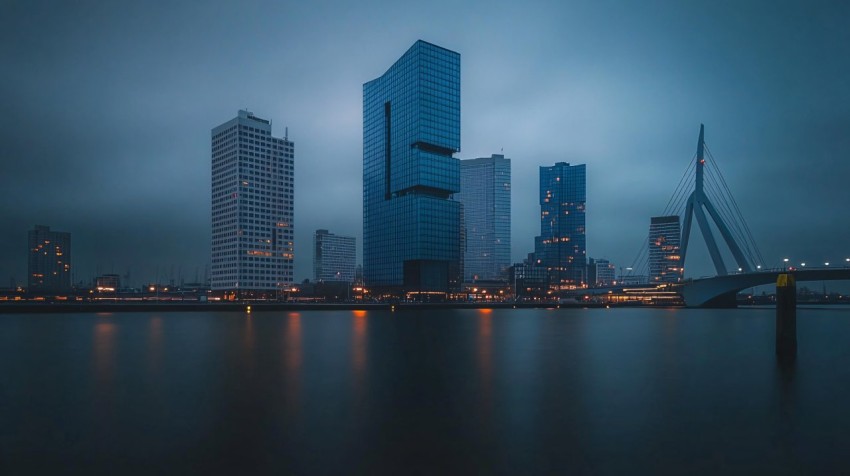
334,257
49,260
561,246
485,193
664,244
252,206
411,129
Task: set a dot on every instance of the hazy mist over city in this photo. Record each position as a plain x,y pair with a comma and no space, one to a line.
108,108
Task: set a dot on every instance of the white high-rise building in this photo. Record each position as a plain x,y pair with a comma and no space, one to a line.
253,176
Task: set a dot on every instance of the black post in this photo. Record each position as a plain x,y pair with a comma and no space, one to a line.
786,318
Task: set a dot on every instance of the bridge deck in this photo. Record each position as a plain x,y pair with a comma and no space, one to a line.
720,291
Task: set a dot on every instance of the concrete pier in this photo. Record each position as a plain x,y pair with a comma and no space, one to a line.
786,318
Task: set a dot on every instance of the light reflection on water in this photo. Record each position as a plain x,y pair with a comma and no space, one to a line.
292,359
484,347
618,390
104,351
359,348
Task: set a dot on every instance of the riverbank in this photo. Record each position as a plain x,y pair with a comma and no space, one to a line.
171,306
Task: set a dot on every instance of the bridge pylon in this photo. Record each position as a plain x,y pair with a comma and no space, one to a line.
698,201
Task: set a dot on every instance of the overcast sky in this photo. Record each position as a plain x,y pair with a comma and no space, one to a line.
108,106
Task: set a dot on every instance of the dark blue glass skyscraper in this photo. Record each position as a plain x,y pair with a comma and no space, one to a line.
561,246
411,129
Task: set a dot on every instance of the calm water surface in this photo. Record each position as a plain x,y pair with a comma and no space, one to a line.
450,391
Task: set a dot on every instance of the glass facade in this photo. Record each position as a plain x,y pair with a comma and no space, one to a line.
411,129
334,257
485,192
664,249
253,186
561,246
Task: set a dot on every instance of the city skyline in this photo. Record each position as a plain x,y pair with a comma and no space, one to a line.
100,131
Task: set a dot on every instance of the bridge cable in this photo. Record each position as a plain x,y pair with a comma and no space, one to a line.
722,205
728,215
734,219
681,189
675,203
737,209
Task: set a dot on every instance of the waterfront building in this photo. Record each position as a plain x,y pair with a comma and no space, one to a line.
561,246
633,279
600,272
529,279
411,131
49,261
664,249
253,175
485,194
334,257
108,283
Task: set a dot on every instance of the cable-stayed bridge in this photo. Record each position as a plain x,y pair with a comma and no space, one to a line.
711,199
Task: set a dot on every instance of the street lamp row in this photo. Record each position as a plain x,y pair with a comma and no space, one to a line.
803,264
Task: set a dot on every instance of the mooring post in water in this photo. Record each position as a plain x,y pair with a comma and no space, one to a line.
786,318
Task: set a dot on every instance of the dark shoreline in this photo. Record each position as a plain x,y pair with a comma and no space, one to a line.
73,307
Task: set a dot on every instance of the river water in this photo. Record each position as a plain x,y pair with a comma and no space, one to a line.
610,391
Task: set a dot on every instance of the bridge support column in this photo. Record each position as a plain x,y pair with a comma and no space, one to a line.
786,318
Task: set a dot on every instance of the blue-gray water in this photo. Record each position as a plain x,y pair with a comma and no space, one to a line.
449,391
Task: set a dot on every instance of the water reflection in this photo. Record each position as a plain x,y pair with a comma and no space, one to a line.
359,343
515,391
154,347
104,351
104,355
292,343
292,358
484,350
248,345
670,335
